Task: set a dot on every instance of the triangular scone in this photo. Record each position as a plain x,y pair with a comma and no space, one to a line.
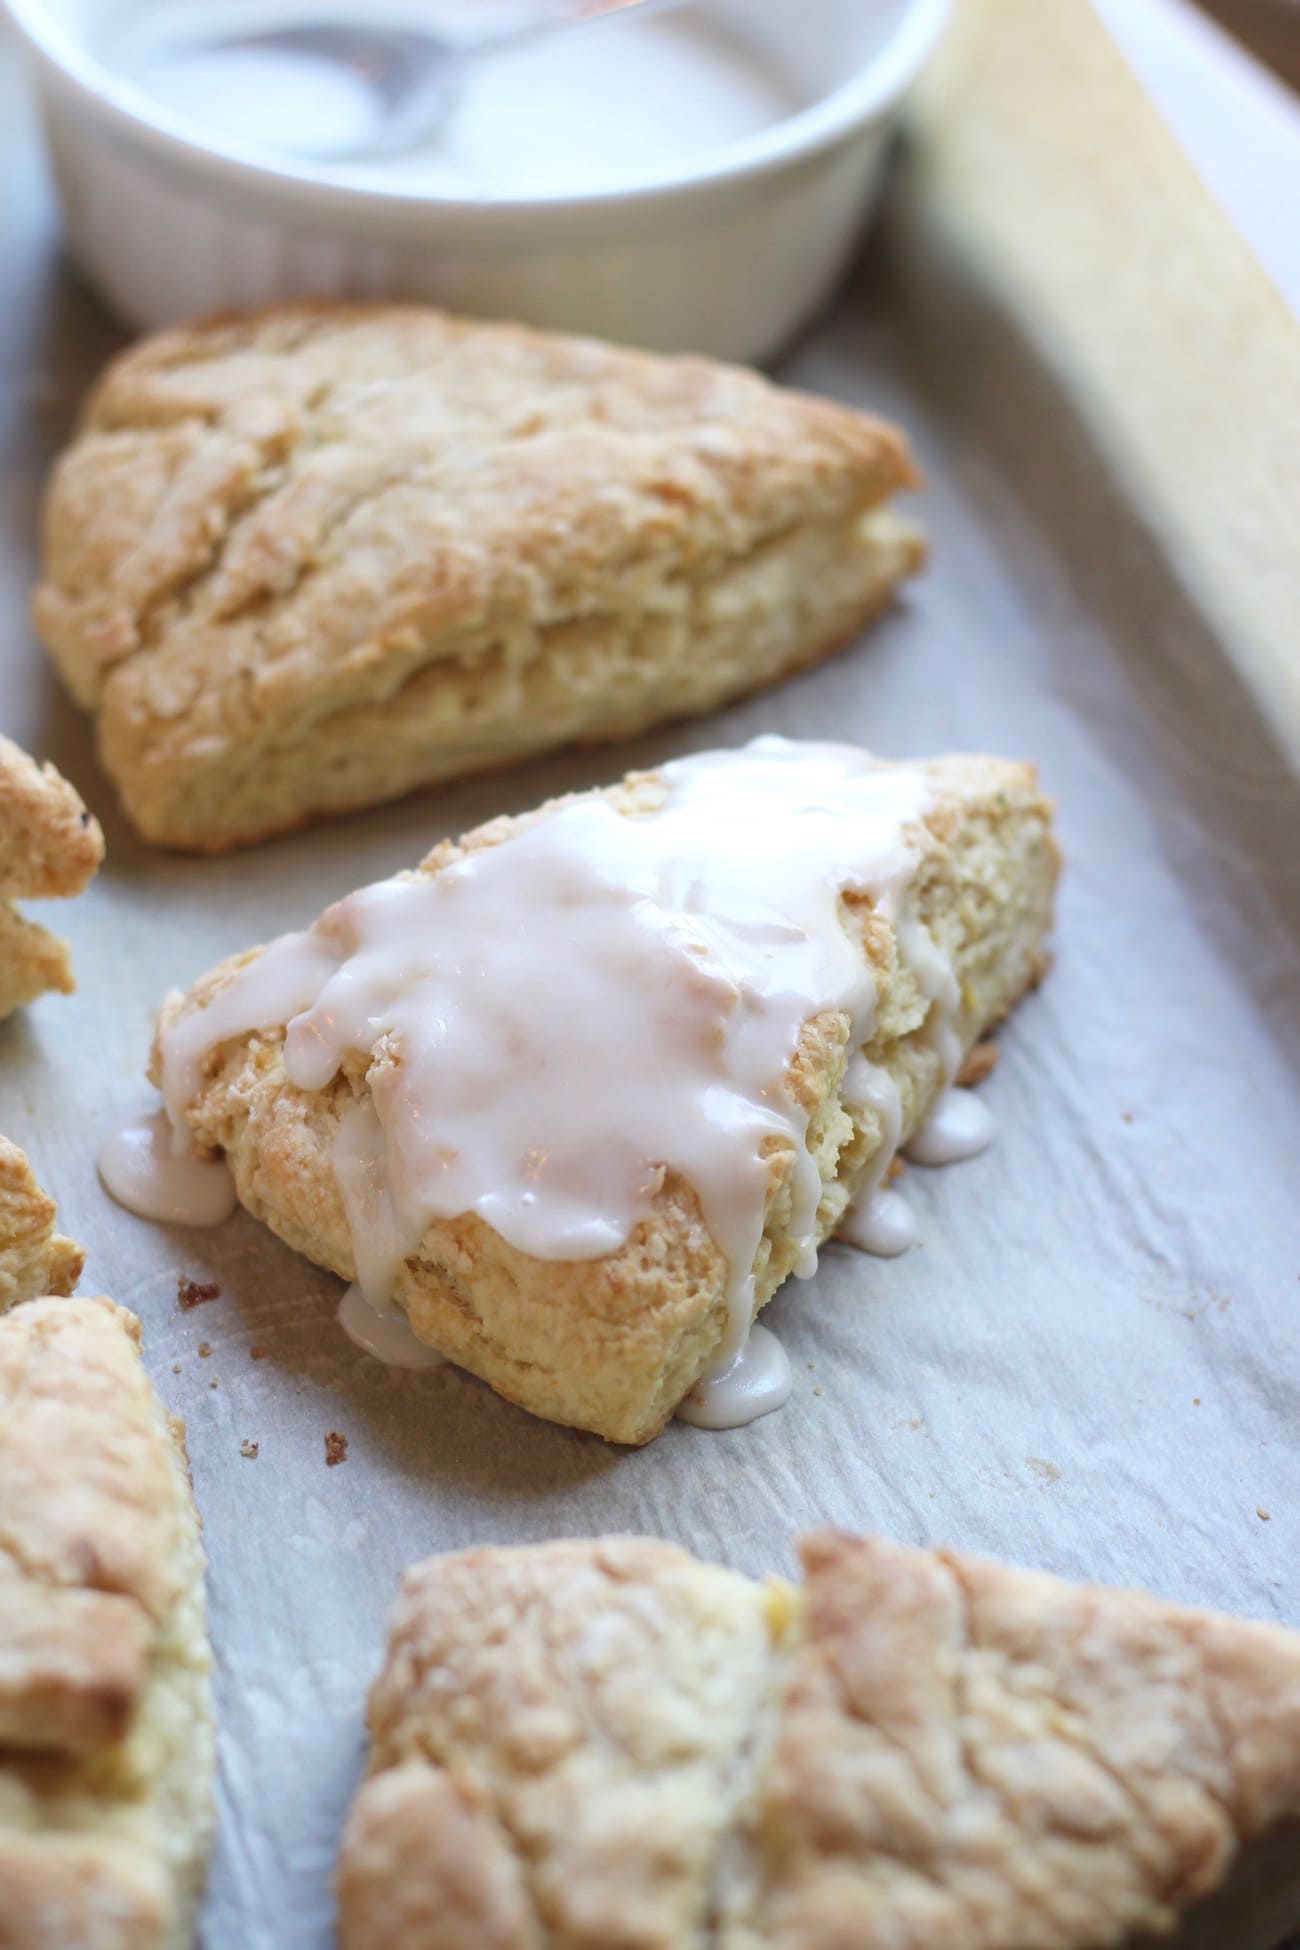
610,1743
969,1754
34,1258
308,559
50,847
106,1743
612,1341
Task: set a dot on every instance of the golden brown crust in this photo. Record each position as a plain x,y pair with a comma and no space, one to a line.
918,1748
60,1895
33,962
612,1345
311,558
587,1763
105,1734
34,1258
955,1733
49,844
426,1862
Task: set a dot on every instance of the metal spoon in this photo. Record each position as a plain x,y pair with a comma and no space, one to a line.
416,73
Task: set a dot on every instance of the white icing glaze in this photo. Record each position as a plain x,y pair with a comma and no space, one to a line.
557,1022
883,1224
960,1126
384,1332
757,1381
141,1169
565,111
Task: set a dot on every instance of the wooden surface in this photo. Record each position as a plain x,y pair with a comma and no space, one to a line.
1031,132
1270,28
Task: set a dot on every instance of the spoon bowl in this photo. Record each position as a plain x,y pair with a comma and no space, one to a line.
400,83
724,246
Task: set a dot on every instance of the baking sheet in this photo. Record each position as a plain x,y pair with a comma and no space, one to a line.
1091,1361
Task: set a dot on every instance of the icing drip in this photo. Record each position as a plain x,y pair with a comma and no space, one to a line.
960,1126
554,1024
757,1381
384,1332
140,1168
884,1225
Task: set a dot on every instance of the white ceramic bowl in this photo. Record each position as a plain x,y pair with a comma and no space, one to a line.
729,254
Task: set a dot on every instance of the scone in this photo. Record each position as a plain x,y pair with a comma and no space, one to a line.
106,1744
308,559
582,1092
50,847
34,1258
611,1746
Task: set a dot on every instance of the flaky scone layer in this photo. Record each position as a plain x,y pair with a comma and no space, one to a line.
33,962
611,1744
106,1743
34,1258
311,558
49,847
613,1344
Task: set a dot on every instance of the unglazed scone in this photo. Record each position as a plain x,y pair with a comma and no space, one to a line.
308,559
609,1745
50,848
581,1094
106,1742
35,1259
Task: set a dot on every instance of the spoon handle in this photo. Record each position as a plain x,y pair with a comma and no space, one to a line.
578,10
566,13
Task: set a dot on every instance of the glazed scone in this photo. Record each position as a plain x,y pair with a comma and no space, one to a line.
34,1258
609,1745
554,1134
106,1743
49,847
309,559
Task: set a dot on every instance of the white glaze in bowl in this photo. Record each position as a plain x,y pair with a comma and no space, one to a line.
727,252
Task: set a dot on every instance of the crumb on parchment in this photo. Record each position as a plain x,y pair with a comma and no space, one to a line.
192,1293
980,1063
249,1449
205,1349
336,1448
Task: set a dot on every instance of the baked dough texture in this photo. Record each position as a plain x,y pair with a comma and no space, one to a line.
106,1740
609,1745
34,1258
308,559
613,1344
50,847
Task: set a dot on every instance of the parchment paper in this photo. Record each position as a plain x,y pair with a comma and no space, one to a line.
1090,1363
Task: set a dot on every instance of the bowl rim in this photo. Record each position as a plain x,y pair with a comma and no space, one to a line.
866,96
